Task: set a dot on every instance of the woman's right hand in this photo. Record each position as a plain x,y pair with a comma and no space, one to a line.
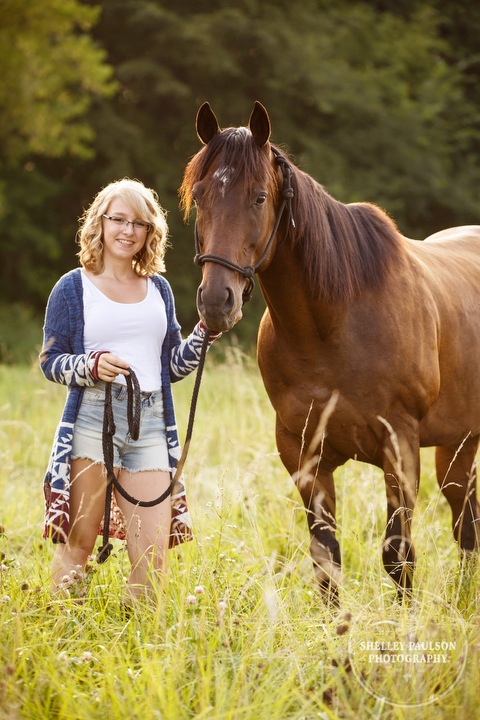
109,366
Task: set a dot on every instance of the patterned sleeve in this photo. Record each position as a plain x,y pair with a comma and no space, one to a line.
186,356
57,360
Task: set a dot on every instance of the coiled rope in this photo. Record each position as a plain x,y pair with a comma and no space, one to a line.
133,418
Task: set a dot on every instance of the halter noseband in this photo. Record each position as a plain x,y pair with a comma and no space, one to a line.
249,271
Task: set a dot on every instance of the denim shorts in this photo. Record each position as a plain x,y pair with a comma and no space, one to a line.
149,452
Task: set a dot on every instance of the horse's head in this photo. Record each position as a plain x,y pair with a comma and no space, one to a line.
235,185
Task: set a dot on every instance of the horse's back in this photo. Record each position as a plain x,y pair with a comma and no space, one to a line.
462,232
451,258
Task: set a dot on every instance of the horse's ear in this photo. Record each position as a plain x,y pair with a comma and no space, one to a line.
259,124
206,124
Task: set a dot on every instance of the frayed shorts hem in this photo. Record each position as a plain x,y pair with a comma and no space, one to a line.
133,471
148,453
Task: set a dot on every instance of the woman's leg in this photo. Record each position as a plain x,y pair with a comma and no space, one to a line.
87,505
147,529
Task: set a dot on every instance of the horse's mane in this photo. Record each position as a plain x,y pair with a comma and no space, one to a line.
342,248
232,148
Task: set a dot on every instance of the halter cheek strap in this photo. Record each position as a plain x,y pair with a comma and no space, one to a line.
248,272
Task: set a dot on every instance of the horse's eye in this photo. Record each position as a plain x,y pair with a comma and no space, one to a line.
196,192
261,198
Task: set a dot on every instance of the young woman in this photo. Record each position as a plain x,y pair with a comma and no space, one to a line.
114,313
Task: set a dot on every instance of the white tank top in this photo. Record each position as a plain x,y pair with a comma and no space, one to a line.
133,331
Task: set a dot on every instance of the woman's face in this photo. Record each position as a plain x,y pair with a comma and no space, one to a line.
124,234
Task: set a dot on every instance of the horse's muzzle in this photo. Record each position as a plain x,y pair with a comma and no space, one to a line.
220,307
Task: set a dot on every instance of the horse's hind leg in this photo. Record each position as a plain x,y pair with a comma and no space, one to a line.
457,477
318,494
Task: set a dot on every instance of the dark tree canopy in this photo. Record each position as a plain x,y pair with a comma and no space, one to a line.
377,100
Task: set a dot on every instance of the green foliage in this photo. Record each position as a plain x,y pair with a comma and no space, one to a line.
50,72
377,100
29,232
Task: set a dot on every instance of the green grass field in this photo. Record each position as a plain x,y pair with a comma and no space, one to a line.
239,630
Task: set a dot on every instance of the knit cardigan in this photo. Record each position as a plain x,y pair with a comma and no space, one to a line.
64,360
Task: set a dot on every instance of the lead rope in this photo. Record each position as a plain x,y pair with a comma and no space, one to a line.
133,417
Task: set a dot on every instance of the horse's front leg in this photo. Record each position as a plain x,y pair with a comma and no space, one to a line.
317,491
318,495
402,474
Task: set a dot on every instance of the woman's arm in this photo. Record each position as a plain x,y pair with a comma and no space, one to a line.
186,356
64,367
58,361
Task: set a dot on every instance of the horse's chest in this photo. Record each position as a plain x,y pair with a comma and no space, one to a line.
298,386
333,390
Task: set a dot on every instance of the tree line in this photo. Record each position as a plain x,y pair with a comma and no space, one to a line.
377,99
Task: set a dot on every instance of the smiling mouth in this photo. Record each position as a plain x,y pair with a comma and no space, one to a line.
125,242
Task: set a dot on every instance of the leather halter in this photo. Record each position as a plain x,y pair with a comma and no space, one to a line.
249,271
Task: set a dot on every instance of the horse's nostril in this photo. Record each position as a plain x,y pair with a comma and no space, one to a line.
230,301
200,304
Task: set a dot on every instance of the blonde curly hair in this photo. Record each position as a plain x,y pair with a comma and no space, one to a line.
146,207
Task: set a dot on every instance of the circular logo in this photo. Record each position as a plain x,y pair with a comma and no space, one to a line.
408,654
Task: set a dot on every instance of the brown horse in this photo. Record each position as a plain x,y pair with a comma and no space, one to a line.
370,346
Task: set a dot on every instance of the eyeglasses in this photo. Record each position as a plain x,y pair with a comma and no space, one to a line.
121,222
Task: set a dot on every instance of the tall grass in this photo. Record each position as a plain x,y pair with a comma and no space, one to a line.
239,630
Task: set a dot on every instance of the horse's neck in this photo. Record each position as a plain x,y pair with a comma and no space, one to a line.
293,309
